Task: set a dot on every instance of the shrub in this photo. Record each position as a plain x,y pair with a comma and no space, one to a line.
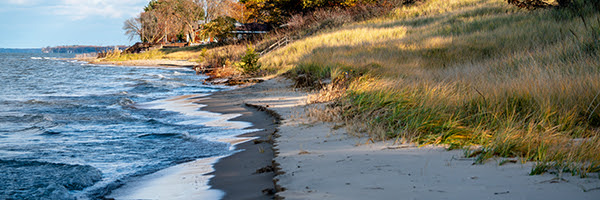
249,62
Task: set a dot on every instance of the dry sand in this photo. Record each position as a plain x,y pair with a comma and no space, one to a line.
321,163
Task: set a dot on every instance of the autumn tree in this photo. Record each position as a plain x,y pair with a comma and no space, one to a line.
278,11
219,28
152,30
313,4
238,11
188,13
162,19
216,8
254,10
146,26
133,28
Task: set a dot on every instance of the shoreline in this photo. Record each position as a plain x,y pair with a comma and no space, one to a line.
245,174
234,176
149,63
190,180
314,160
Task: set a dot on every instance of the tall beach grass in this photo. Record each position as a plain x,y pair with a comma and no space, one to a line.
517,83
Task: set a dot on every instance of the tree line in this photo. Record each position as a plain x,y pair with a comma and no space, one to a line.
79,49
176,20
184,20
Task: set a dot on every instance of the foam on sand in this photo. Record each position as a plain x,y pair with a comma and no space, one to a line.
184,181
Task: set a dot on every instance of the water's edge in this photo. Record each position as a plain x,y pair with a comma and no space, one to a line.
189,180
245,174
86,129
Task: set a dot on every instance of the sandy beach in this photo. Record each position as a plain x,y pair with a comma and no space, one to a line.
246,174
315,161
238,100
318,162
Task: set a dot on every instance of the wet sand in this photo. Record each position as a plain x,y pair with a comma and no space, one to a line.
237,174
246,174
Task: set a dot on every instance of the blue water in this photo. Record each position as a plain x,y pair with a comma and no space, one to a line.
74,130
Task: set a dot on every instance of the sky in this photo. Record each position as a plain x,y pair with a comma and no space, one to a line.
42,23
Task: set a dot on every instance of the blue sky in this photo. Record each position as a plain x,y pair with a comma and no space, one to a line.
41,23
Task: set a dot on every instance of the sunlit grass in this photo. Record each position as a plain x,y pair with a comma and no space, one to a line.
466,72
148,55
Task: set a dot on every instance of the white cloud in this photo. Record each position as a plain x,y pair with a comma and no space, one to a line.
81,9
23,2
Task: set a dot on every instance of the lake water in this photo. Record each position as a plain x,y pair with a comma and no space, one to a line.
72,130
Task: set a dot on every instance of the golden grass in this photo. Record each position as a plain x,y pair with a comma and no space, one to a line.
221,58
148,55
462,72
188,53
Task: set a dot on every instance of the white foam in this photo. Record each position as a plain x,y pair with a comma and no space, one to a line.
186,105
188,180
184,181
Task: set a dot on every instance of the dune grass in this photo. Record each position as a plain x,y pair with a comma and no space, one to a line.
222,58
186,53
517,83
148,55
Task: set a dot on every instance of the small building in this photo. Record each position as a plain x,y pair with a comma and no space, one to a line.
249,30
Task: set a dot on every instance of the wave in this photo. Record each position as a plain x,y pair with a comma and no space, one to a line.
44,180
26,118
38,102
158,135
101,192
64,113
146,88
50,133
30,130
126,102
183,135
